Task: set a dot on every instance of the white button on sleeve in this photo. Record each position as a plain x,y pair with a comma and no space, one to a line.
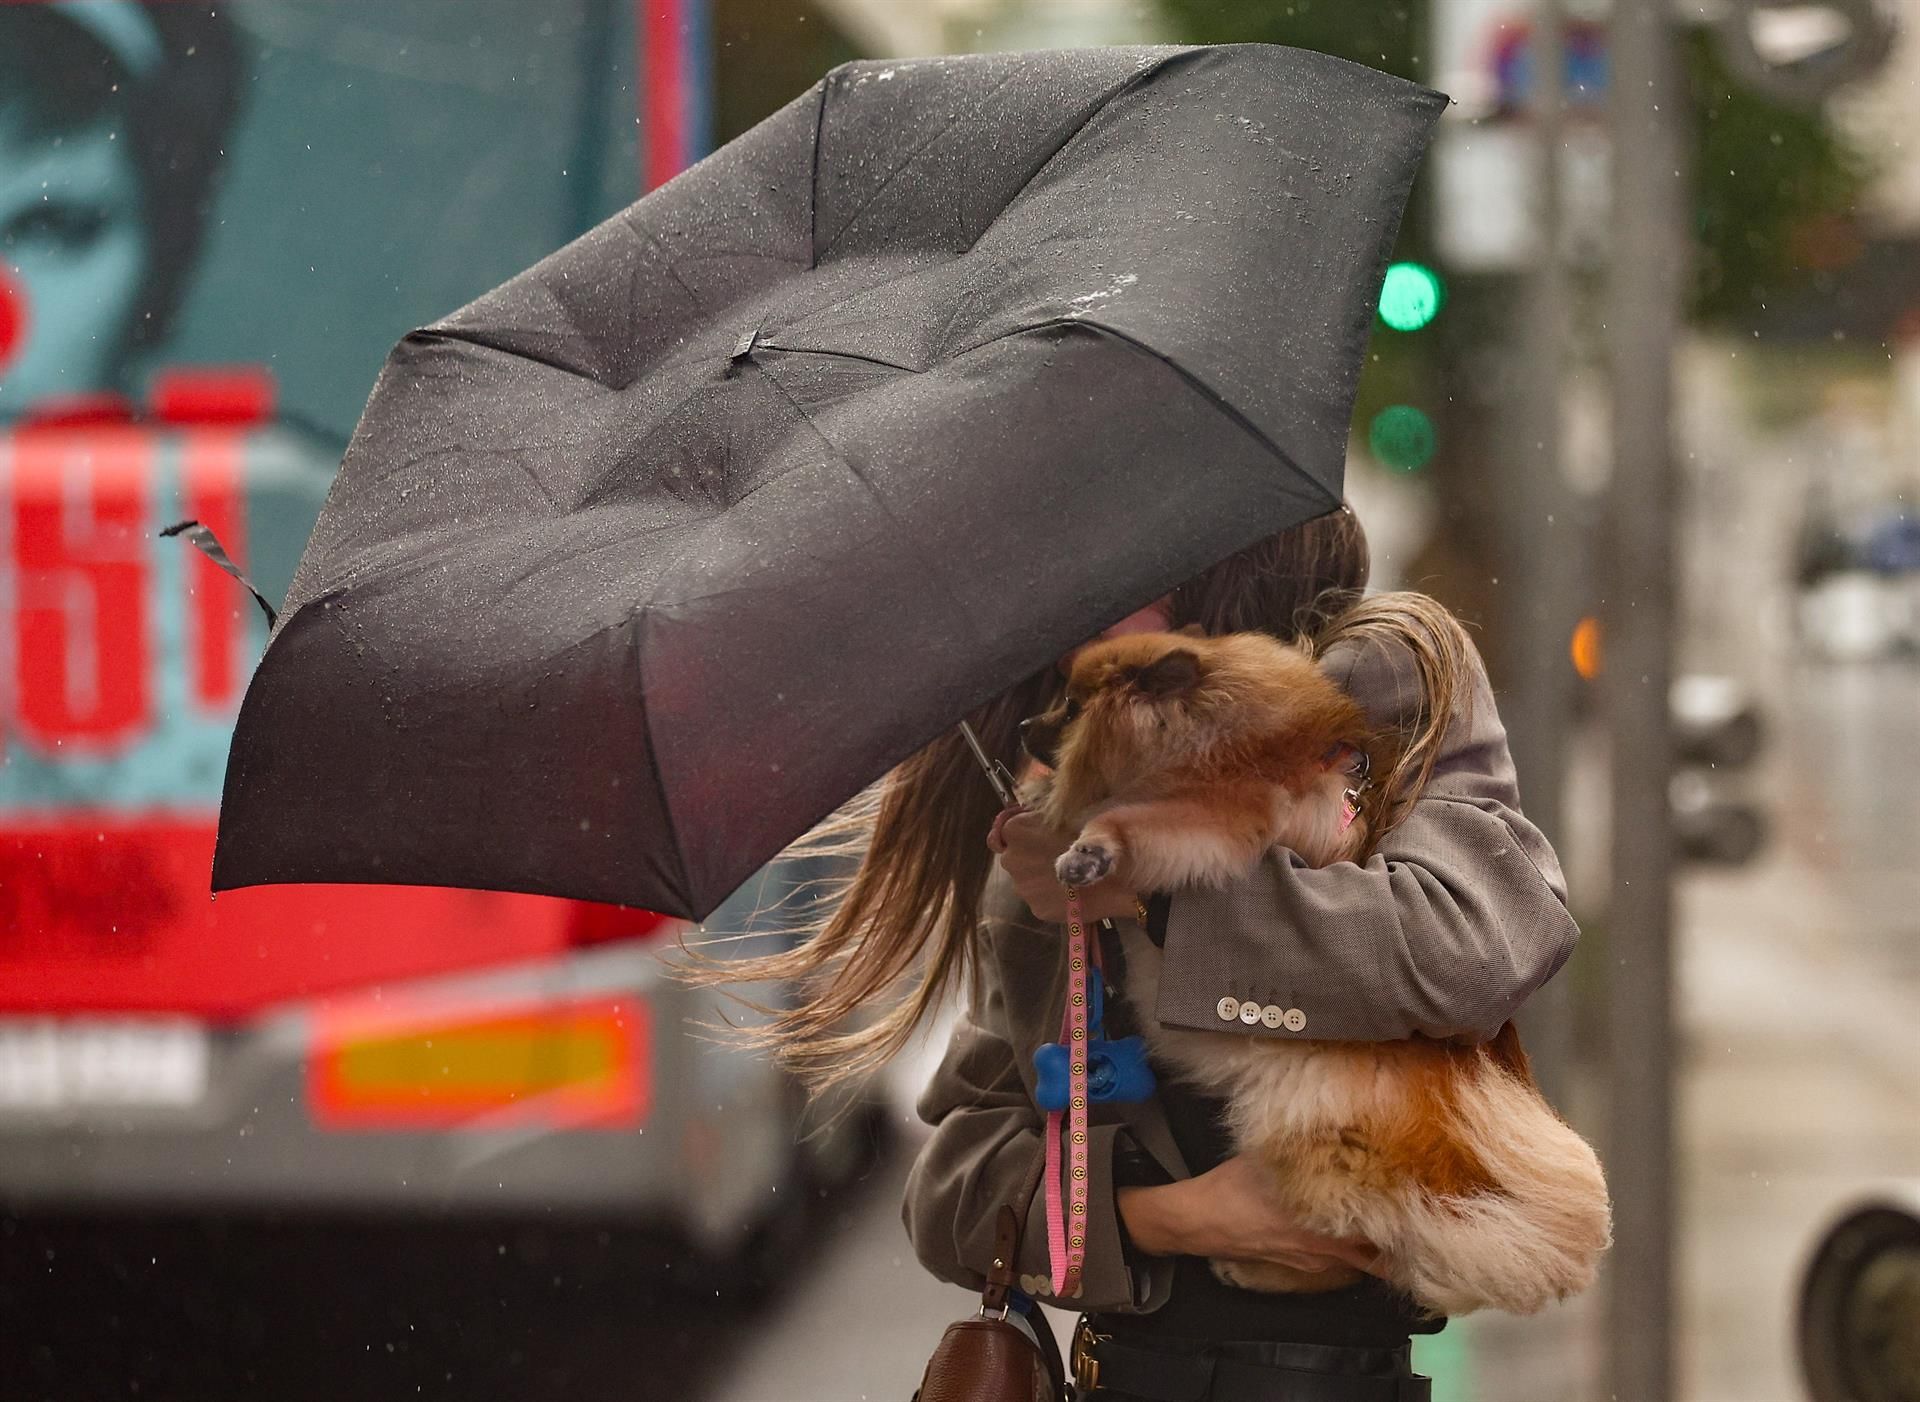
1271,1015
1249,1012
1228,1008
1293,1020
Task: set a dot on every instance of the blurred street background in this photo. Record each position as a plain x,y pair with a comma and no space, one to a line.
1643,405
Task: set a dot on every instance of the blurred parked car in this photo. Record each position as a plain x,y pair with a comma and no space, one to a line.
1859,1312
1859,582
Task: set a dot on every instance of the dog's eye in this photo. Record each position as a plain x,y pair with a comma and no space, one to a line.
1073,710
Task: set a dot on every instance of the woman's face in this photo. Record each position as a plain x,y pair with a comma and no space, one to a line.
1154,618
75,252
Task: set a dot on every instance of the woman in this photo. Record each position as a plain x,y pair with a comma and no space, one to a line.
1443,932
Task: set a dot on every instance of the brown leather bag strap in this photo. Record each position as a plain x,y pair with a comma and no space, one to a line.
1003,1270
1006,1253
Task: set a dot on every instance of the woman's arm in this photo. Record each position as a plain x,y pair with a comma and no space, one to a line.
1445,931
987,1133
1232,1211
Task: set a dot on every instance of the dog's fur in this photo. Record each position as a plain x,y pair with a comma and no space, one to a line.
1181,760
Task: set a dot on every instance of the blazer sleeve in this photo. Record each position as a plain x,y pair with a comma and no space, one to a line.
1457,917
987,1132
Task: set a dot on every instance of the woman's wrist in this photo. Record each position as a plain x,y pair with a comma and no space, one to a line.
1229,1211
1159,1219
1110,902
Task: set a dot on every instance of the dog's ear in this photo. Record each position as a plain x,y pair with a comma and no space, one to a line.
1170,675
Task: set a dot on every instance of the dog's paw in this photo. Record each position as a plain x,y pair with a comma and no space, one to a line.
1084,863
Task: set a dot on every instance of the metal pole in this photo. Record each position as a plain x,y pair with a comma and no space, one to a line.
1540,537
1648,255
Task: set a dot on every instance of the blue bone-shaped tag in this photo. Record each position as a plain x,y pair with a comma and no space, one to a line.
1117,1071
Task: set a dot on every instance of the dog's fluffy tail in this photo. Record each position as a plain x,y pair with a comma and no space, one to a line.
1538,1237
1431,650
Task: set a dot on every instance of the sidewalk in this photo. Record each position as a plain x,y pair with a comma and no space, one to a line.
860,1326
1799,1088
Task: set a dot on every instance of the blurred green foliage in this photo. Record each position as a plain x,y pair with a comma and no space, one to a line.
1775,188
1775,194
767,52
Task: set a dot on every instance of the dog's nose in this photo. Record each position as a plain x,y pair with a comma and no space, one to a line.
1037,739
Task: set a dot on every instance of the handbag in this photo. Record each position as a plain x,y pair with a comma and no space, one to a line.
986,1357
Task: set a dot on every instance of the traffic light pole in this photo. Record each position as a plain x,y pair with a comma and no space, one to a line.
1542,535
1648,258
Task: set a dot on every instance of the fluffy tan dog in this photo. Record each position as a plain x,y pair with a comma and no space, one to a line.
1181,760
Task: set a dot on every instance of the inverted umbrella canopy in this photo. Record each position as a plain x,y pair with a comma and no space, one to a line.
645,561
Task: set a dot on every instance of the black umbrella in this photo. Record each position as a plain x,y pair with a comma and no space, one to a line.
645,561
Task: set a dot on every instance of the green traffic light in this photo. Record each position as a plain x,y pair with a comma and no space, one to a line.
1402,438
1411,296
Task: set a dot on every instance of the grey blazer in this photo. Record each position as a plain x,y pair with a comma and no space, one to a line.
1444,931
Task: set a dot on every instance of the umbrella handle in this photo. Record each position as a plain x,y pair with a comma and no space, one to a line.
996,772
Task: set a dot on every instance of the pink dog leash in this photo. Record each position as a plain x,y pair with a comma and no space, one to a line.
1067,1250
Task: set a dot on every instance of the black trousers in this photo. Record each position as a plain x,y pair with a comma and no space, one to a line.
1211,1370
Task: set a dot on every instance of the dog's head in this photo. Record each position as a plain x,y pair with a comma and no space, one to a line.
1150,667
1146,702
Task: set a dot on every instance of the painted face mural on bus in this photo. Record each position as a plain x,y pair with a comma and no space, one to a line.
112,120
195,293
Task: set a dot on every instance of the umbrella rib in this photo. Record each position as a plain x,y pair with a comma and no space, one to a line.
445,332
833,448
946,326
812,313
897,171
1205,390
678,858
450,333
666,255
843,355
813,178
1133,80
865,481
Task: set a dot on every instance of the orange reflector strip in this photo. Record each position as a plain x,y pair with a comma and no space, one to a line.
577,1065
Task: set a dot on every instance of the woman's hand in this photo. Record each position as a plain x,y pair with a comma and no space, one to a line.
1232,1212
1027,849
